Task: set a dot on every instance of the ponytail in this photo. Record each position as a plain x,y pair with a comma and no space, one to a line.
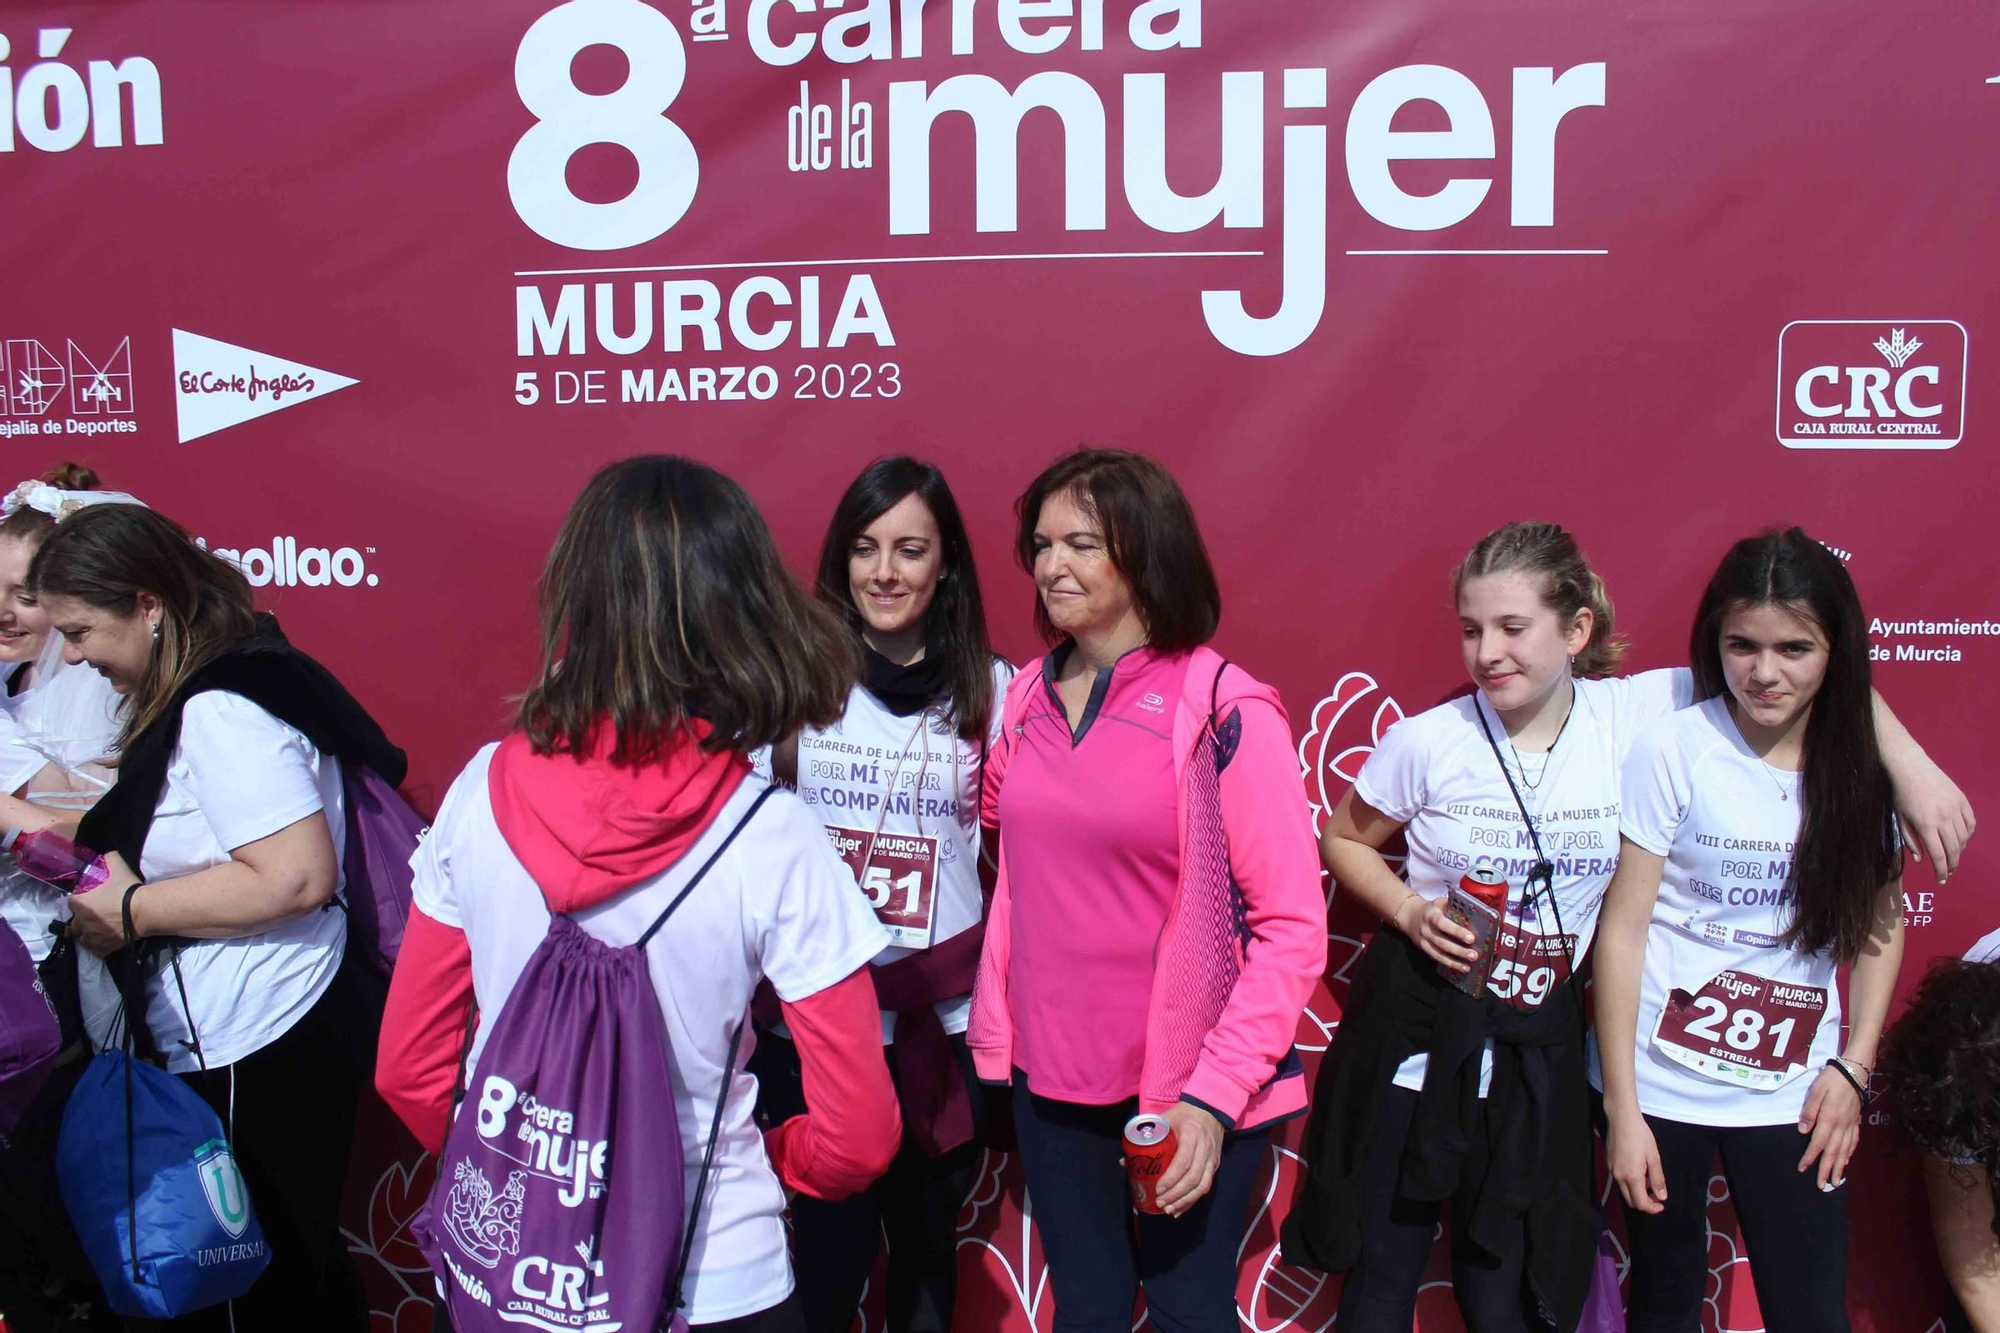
1569,584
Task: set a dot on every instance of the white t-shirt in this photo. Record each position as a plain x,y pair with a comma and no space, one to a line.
1436,773
238,775
83,709
1727,824
26,904
1986,950
873,774
779,903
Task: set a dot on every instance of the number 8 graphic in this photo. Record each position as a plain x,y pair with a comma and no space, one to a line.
633,117
1746,1029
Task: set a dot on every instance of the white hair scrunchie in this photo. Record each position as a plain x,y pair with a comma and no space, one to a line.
56,502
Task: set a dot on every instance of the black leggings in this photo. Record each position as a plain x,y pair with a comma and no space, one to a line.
1795,1234
294,1106
1380,1291
1100,1251
915,1205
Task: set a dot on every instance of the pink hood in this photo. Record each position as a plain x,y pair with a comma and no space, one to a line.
587,829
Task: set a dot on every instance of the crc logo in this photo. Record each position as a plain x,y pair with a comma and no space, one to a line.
632,116
1871,384
36,378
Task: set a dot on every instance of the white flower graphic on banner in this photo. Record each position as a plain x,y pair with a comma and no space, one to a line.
1281,1299
1346,727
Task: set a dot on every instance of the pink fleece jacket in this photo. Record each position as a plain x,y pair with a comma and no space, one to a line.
1224,1005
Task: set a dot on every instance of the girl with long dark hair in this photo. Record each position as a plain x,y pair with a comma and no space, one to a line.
673,643
1759,856
896,781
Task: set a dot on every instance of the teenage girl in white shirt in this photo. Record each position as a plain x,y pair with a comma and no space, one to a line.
673,644
1759,855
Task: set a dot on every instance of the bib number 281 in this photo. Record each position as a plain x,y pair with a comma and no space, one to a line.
1742,1029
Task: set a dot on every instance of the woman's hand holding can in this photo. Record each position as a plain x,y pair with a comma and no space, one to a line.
1197,1153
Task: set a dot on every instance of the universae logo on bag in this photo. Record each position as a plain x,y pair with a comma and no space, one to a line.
222,1183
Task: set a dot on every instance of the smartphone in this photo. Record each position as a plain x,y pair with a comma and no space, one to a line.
1484,923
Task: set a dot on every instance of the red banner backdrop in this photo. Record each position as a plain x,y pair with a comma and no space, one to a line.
363,292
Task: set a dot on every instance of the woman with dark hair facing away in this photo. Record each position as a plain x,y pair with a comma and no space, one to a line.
896,782
1157,925
1941,1069
1759,855
1520,777
673,644
221,918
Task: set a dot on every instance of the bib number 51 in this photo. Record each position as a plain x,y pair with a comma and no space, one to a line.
875,882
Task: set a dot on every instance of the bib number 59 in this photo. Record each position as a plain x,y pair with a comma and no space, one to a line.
1524,982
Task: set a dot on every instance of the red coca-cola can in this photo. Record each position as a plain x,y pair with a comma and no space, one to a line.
1488,885
1149,1147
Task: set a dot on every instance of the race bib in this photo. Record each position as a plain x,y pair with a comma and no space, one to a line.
1742,1029
898,872
1527,968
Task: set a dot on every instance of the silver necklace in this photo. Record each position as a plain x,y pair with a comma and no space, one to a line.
1547,758
1783,793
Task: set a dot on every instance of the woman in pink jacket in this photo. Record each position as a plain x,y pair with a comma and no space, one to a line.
1158,925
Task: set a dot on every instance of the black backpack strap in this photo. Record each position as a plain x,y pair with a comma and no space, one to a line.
728,1063
464,1054
706,866
707,1160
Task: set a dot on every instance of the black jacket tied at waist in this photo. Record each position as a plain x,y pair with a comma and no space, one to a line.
1524,1162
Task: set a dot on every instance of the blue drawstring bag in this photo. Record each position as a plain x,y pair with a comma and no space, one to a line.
153,1192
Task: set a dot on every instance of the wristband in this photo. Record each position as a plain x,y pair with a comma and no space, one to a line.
125,910
1837,1063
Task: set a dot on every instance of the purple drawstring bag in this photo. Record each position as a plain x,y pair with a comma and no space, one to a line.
559,1201
1604,1308
382,835
30,1036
